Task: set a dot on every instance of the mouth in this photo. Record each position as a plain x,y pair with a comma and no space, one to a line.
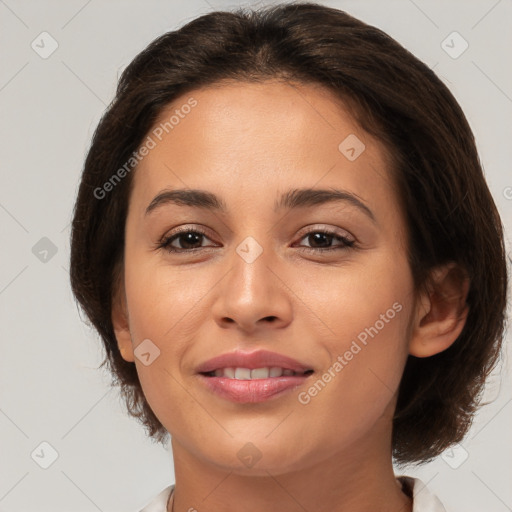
244,377
256,373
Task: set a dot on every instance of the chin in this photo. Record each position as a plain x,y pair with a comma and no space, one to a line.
249,460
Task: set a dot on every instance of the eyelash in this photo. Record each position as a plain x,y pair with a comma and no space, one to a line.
165,242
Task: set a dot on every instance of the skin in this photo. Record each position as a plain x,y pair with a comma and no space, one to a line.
249,143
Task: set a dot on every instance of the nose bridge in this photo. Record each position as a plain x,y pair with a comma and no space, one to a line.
251,275
252,291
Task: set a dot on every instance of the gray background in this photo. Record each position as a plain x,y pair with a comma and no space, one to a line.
50,389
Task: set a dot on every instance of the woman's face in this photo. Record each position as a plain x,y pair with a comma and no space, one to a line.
262,276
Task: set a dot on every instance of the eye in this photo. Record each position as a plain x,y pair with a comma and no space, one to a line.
321,240
189,240
183,241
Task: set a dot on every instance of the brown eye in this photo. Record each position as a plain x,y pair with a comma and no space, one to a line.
322,241
189,240
183,241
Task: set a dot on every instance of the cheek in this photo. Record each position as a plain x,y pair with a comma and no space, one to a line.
357,389
366,312
371,292
162,303
162,300
167,306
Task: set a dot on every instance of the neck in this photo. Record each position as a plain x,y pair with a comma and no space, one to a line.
357,479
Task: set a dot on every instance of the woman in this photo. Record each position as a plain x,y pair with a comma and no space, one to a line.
284,237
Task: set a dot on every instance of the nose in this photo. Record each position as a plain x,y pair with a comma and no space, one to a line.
253,295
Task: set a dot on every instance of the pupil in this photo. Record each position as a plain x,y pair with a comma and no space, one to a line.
319,236
191,239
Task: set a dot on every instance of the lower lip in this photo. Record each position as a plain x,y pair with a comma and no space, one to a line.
252,391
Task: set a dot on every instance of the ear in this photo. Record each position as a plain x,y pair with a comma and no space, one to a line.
121,324
440,311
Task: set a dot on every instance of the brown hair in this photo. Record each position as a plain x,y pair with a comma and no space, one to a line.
449,210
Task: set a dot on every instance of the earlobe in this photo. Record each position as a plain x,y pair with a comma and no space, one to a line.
121,325
441,311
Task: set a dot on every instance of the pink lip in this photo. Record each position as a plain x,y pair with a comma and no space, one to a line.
256,390
251,391
252,360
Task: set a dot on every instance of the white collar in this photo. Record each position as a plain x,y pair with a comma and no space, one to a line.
423,499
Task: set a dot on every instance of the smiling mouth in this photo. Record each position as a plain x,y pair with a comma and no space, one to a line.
256,373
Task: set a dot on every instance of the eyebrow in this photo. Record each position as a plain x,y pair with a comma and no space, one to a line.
292,199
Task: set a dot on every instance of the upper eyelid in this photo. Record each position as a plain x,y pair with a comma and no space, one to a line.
329,230
305,230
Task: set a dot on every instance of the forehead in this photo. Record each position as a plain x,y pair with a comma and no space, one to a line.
259,137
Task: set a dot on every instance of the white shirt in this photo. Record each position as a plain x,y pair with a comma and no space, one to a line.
423,500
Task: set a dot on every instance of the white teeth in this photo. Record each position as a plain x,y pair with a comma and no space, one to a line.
260,373
242,374
228,372
256,373
275,371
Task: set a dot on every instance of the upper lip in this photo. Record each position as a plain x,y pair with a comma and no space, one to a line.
252,360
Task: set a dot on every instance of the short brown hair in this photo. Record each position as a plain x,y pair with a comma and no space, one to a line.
450,213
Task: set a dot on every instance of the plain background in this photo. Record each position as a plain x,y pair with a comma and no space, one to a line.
50,388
